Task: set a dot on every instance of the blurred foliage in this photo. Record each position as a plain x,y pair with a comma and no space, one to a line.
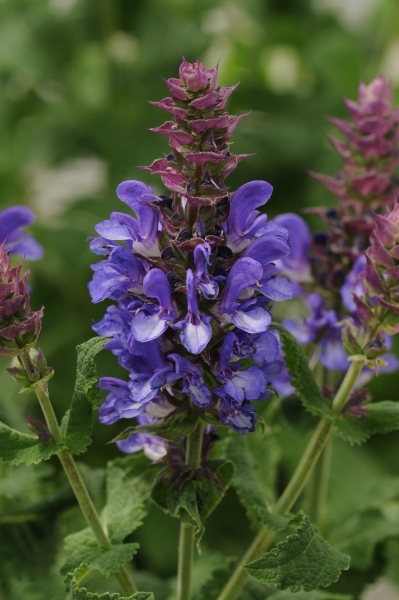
75,79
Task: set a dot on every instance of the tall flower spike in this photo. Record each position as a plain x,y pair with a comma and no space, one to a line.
185,267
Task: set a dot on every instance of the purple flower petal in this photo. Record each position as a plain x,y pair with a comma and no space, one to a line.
300,240
244,221
156,285
248,384
256,320
148,326
277,288
243,274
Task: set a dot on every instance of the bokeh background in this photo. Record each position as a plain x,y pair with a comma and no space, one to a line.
75,79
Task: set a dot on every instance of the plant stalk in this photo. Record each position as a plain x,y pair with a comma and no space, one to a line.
75,479
296,484
319,486
186,540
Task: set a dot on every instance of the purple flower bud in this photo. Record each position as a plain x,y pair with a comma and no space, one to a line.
194,75
40,429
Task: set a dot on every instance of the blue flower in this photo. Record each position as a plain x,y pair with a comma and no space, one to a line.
12,220
321,325
196,330
154,447
296,264
244,221
140,233
151,320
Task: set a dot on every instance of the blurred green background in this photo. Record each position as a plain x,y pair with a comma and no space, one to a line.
75,79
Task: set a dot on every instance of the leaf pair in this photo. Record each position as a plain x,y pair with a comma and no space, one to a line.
194,499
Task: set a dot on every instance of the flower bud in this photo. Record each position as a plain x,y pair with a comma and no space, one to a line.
19,325
193,75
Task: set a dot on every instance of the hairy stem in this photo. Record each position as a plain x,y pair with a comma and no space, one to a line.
296,484
186,540
75,479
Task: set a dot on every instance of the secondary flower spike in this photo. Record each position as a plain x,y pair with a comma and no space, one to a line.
367,181
192,274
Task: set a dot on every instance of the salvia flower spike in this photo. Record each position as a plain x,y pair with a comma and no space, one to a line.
367,182
192,274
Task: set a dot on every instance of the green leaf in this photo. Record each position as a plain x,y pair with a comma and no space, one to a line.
80,420
275,522
359,535
172,429
198,497
81,593
124,511
208,494
381,417
84,549
250,491
212,587
17,448
302,377
303,561
188,509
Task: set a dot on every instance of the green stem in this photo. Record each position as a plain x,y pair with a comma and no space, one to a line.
319,486
186,540
296,484
75,479
346,387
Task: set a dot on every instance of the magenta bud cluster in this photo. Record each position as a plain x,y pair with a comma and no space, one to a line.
19,325
366,183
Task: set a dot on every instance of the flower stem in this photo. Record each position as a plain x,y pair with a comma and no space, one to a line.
186,540
296,484
319,486
346,387
75,479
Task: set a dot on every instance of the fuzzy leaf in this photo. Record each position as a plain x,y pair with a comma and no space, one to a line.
381,417
250,491
80,420
360,533
84,549
17,448
195,499
275,522
303,561
212,587
302,377
124,511
172,429
81,593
